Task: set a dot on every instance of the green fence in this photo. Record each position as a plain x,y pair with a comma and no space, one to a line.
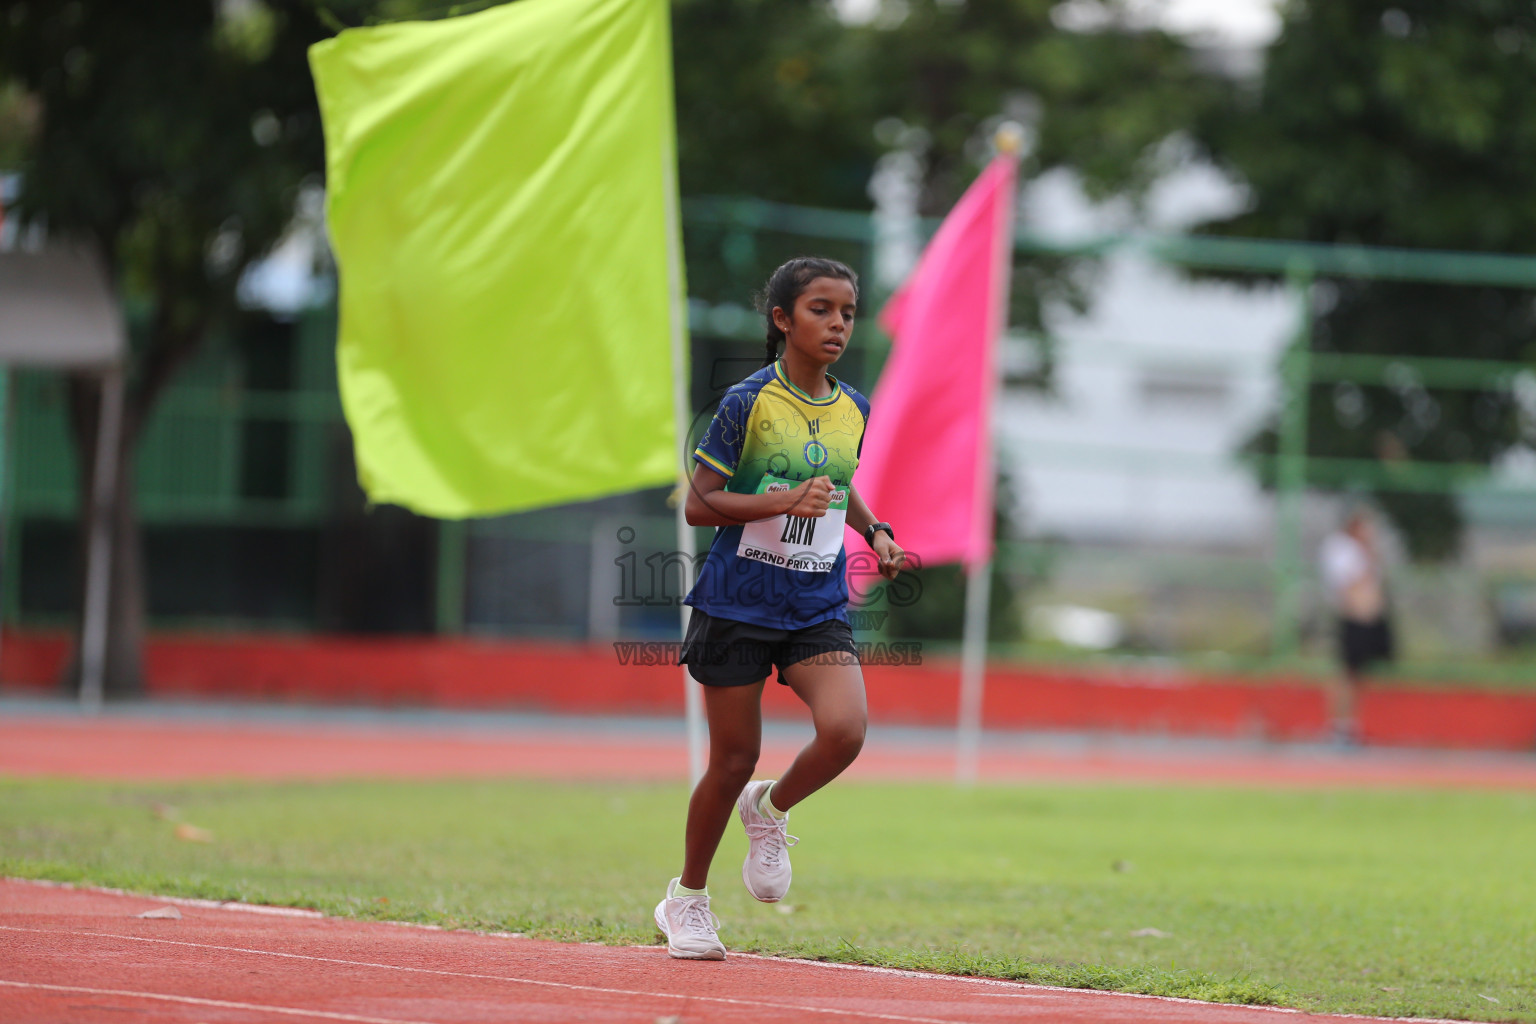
1285,581
231,445
236,444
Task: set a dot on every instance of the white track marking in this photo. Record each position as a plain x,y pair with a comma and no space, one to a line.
867,968
222,1004
754,1003
1034,988
249,908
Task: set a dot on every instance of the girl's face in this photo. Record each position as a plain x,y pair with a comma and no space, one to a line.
822,322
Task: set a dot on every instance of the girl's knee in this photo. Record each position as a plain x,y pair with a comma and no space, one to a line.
735,765
845,736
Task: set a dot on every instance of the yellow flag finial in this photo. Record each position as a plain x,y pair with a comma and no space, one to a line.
1009,138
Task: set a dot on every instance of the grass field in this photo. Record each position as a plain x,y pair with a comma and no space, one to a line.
1393,903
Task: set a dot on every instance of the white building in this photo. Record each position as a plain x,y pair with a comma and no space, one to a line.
1157,386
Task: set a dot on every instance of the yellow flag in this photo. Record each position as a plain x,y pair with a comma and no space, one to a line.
500,196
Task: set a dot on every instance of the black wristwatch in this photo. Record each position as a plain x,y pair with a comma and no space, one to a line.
869,532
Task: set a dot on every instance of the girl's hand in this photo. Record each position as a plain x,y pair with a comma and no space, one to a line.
811,499
892,558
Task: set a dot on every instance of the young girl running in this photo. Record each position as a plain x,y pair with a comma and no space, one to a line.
774,475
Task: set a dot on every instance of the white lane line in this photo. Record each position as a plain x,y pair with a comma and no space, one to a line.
223,1004
185,901
867,968
1033,988
753,1003
245,908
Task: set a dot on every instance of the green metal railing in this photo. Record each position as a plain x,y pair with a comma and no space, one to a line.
189,468
1299,265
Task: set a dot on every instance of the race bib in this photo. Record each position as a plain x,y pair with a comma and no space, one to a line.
804,543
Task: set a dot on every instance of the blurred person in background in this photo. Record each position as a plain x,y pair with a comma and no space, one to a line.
1351,568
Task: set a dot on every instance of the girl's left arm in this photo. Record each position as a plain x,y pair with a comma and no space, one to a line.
892,558
859,515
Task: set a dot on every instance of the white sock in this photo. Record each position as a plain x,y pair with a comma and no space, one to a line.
765,805
682,890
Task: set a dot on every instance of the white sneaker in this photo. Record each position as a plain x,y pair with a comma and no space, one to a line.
766,869
689,926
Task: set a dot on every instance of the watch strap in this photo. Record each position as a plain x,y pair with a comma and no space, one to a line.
869,532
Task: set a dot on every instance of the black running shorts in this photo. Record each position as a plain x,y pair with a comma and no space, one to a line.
726,652
1365,644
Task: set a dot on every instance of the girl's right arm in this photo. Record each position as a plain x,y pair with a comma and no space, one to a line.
710,504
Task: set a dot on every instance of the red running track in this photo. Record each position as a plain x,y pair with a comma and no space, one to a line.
147,749
72,956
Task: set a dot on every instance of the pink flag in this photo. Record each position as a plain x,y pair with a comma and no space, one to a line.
926,465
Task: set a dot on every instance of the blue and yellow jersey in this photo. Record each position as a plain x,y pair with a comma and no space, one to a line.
787,572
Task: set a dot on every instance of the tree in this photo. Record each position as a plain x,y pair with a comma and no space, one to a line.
772,102
781,100
172,137
929,604
1100,101
18,117
1401,123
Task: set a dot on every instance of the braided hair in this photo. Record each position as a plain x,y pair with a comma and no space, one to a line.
786,285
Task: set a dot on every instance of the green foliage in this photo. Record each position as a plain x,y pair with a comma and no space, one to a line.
18,124
172,136
1343,901
939,612
929,604
176,137
1098,101
783,101
772,102
1399,124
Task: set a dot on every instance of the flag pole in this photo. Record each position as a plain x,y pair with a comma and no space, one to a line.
973,666
1009,140
693,701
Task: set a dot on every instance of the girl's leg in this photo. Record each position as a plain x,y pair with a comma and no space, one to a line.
832,686
735,715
